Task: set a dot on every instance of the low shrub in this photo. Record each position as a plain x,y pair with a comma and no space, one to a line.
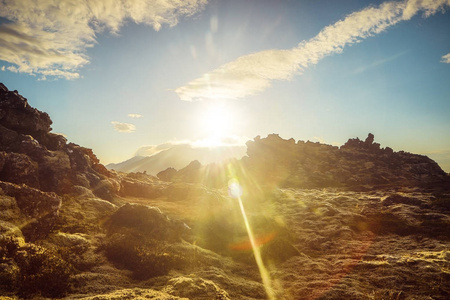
34,269
145,259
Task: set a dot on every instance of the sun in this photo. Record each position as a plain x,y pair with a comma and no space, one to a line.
217,122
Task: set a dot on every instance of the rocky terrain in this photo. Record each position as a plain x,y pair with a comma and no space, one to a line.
355,222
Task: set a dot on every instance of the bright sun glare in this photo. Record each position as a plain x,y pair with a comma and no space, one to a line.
217,123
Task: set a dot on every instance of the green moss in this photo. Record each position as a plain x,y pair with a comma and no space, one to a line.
145,259
33,269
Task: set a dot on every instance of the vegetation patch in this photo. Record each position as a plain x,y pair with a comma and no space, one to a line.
29,270
145,259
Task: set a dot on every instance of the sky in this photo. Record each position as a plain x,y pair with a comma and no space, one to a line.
122,76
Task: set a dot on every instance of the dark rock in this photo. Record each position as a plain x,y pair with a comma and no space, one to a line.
167,174
41,159
18,168
55,141
17,115
190,173
274,161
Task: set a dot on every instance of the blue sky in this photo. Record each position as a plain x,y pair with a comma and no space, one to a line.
116,79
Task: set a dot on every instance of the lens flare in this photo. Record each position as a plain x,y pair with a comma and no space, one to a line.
235,191
234,188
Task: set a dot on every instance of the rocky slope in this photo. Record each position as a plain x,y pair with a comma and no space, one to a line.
359,222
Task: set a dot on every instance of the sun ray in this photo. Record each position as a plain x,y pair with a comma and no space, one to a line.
235,191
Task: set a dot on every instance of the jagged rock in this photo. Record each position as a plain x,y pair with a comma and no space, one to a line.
41,159
135,188
190,173
16,114
279,162
167,174
141,185
18,168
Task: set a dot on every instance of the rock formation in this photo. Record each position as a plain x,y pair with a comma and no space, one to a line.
31,154
357,163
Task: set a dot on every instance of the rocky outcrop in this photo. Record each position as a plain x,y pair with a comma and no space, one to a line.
167,174
273,160
141,185
17,115
190,173
32,155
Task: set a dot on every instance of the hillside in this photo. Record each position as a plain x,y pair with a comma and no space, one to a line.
177,156
355,222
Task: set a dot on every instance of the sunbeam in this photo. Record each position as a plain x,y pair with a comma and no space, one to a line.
235,191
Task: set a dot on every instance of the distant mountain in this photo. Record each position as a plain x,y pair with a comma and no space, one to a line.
178,157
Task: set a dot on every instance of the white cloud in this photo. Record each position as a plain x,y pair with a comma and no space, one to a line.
153,149
319,139
3,68
50,38
123,127
253,73
135,116
446,59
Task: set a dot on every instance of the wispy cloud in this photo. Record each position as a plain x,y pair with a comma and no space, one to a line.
380,62
135,116
50,38
319,139
254,73
123,127
446,59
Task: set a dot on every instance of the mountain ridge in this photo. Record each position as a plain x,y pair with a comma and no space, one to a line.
178,156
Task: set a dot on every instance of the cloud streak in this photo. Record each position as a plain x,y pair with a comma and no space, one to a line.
50,38
255,72
123,127
446,59
135,116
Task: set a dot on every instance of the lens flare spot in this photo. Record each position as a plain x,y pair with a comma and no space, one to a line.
234,188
